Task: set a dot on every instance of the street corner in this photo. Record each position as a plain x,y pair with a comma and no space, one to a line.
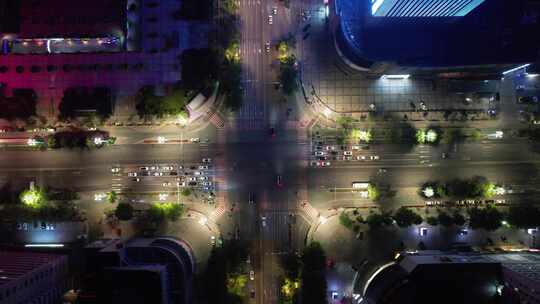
195,231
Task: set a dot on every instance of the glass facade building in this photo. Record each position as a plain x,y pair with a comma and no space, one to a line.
423,8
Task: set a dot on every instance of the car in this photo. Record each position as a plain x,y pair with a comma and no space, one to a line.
347,158
325,164
263,221
203,178
463,232
194,139
279,181
192,179
361,157
166,184
203,167
315,163
374,157
252,293
192,184
173,173
152,168
115,169
318,148
423,231
270,19
274,10
382,170
322,157
197,173
180,184
252,275
251,198
158,174
132,174
267,46
206,160
347,153
143,168
329,148
319,153
167,168
207,184
272,132
355,147
213,240
145,173
443,155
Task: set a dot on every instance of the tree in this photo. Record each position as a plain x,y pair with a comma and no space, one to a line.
445,219
124,212
288,75
373,192
378,220
186,192
313,275
345,220
112,196
524,216
199,68
488,218
22,105
290,263
236,284
79,101
405,217
433,221
458,219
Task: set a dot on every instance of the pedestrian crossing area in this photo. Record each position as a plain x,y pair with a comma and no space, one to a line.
248,124
217,120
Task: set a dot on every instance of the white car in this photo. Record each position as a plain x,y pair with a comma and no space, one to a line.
115,170
361,157
166,184
267,46
374,157
197,173
328,148
355,147
136,179
319,153
132,174
263,221
347,153
203,178
274,10
167,168
195,140
252,275
208,184
192,179
158,174
203,167
154,168
325,164
206,160
143,168
270,19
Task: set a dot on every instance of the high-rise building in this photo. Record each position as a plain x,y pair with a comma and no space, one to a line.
423,8
32,277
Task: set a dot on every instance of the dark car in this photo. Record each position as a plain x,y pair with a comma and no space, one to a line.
279,181
528,99
272,132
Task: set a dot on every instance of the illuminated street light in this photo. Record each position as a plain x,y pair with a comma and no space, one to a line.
403,76
31,142
431,136
203,220
428,192
98,141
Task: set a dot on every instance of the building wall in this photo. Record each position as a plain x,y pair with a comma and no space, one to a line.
423,8
44,284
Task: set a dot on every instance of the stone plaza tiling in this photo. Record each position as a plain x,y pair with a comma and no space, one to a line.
346,90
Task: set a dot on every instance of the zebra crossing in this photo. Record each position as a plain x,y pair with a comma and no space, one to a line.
217,121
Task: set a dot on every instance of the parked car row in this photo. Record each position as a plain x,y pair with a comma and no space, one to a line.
469,202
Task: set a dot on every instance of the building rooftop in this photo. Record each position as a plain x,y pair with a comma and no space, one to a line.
64,18
16,264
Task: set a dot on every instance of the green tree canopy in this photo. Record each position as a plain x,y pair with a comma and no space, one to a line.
124,211
405,217
524,216
488,218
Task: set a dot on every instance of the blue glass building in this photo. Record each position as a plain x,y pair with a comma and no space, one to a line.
423,8
435,34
